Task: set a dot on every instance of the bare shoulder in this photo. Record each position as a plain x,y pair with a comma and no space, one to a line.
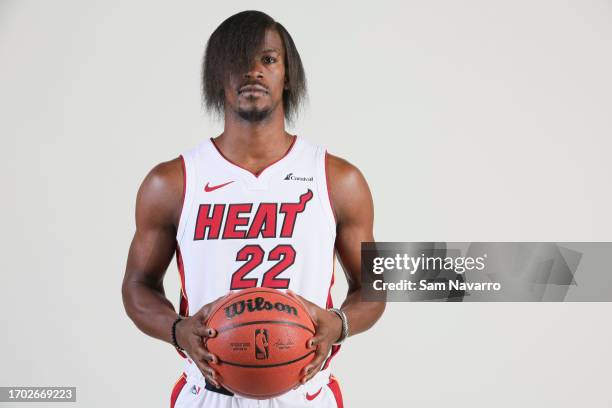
348,189
160,196
341,171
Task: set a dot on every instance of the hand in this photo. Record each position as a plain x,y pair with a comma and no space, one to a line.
190,334
328,327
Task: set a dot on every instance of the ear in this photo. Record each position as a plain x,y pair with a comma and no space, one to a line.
286,85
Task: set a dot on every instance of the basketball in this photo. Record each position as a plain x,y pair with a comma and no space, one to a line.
261,342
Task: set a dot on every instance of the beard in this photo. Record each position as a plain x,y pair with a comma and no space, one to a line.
254,114
252,111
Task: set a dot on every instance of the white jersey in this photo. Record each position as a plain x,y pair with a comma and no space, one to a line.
239,230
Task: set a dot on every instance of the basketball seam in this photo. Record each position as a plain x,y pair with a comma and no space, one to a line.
267,365
233,326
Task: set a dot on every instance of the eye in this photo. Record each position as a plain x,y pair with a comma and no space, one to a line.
268,59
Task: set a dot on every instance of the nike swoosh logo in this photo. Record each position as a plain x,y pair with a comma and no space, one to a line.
313,396
208,188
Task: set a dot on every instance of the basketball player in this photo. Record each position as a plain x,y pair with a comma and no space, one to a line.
254,206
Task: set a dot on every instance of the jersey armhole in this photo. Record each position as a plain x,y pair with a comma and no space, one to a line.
323,187
331,204
187,197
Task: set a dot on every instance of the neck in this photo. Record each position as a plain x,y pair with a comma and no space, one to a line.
254,144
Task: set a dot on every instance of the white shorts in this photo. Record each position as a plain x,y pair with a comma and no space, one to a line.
322,391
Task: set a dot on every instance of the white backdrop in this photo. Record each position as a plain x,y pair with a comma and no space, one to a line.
472,121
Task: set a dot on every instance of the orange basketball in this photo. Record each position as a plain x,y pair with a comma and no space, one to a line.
261,342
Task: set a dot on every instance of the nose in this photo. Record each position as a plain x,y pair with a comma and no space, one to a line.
255,71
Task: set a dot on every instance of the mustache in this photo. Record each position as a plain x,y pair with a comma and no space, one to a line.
254,85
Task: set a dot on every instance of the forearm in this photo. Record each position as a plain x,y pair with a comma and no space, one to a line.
149,309
361,315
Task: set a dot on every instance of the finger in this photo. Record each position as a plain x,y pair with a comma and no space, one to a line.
311,372
306,302
207,357
205,369
315,341
310,307
211,380
211,358
210,374
291,293
310,367
206,310
215,379
313,367
204,331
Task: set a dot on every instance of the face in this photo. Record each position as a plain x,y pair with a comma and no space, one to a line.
255,94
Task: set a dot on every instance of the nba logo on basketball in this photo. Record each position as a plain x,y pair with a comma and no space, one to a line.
261,344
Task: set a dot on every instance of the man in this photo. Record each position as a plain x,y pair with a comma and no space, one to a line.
255,206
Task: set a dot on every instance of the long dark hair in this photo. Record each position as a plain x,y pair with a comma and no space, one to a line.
231,49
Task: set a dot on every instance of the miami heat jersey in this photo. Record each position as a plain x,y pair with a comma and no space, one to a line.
239,230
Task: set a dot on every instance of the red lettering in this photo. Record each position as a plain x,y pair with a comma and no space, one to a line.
206,222
262,224
291,210
265,215
233,220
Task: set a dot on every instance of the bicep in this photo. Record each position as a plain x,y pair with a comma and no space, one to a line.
354,207
154,241
150,253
